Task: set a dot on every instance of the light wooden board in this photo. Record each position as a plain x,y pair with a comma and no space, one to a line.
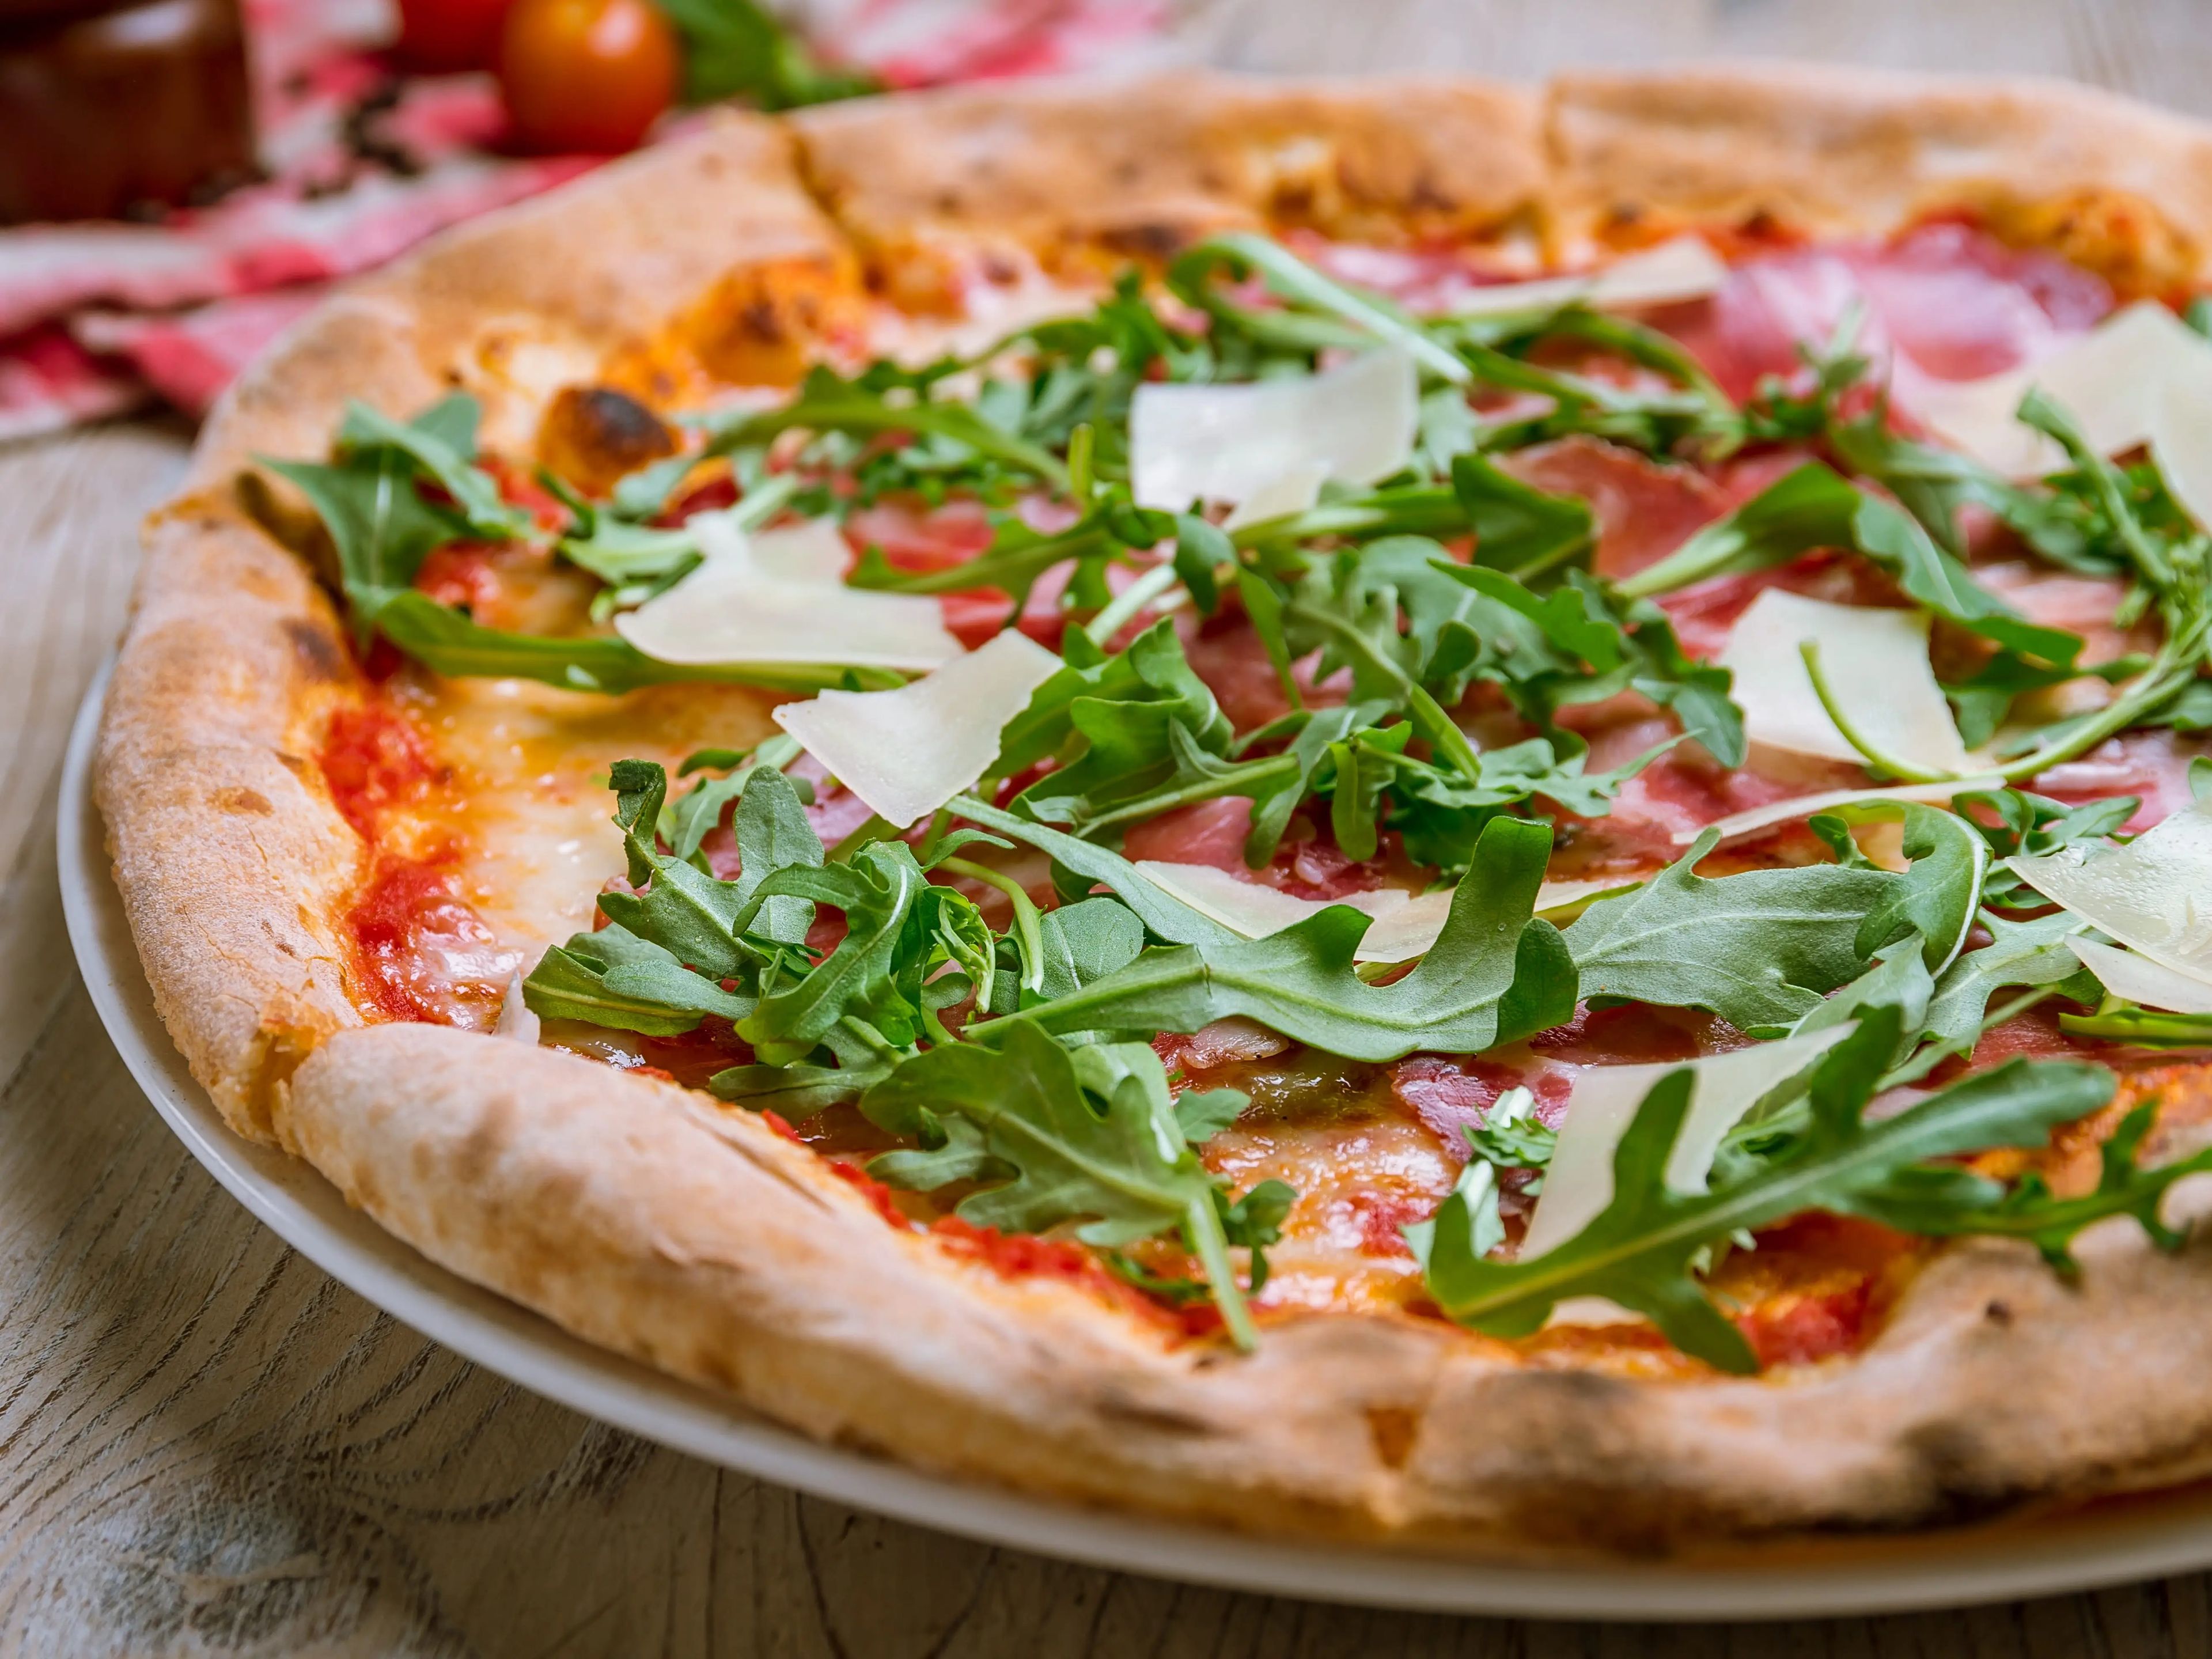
206,1446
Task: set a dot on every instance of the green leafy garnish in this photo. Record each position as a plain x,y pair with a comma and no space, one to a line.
1089,1134
1639,1251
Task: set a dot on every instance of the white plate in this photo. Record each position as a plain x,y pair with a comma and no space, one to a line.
2139,1538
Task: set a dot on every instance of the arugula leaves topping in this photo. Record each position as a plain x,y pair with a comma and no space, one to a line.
1088,1133
1639,1252
1759,949
1493,975
382,527
1001,1059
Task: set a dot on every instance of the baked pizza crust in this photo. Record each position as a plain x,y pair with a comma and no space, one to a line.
661,1224
658,1223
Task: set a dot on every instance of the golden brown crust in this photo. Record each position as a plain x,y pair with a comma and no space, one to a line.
657,1223
652,1221
1122,170
1824,149
516,305
235,869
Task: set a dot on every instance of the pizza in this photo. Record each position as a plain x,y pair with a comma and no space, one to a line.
1413,811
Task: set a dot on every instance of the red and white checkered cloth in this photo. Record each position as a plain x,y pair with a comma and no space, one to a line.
96,319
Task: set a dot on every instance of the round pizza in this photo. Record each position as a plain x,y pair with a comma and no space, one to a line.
1412,809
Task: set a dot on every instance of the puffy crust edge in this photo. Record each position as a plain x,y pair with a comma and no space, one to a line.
1822,149
1106,170
654,1222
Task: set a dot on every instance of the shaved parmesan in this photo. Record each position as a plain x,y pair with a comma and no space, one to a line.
2181,441
1684,269
1875,662
1579,1181
812,552
1293,491
2153,895
906,752
1228,443
1405,926
1738,825
516,1018
2139,979
2110,380
778,596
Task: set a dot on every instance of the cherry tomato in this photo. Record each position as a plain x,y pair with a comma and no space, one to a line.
444,35
587,75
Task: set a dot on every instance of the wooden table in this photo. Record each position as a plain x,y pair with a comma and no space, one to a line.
206,1446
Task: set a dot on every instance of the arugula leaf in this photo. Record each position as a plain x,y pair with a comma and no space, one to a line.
1090,1136
1758,948
735,48
614,978
685,822
1518,527
447,642
1937,896
1639,1251
828,402
1168,917
2033,1211
1241,254
1110,722
1814,507
2027,953
900,928
676,905
1494,975
442,443
382,528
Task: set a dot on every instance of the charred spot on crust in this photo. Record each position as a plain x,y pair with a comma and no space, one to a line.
1148,239
1392,1428
237,798
319,654
594,435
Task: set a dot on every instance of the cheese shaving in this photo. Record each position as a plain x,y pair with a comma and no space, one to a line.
1737,825
1683,268
516,1018
2140,980
906,752
1875,662
1293,491
778,596
2110,380
1579,1181
2181,440
2153,895
1228,443
1405,926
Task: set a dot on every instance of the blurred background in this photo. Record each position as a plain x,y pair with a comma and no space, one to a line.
181,178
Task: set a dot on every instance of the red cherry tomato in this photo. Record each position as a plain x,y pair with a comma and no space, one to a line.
587,75
445,35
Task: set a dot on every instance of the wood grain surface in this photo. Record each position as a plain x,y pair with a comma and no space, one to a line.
208,1447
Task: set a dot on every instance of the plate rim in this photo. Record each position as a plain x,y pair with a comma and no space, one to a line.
2156,1538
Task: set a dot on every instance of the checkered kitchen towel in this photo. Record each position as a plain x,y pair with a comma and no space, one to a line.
361,162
